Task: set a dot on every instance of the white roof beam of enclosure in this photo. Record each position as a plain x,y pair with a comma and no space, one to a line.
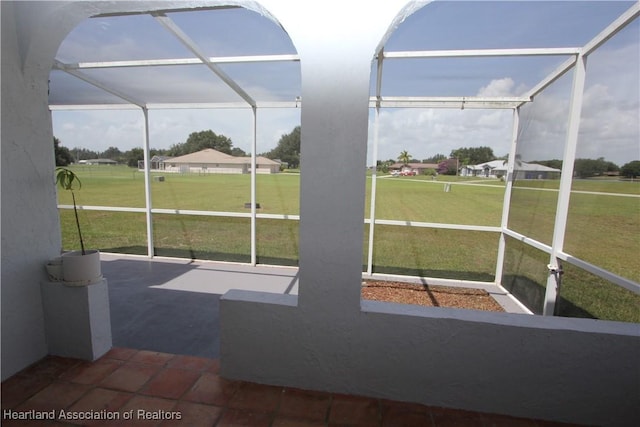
480,53
223,105
448,102
132,100
171,26
178,106
623,20
560,71
183,61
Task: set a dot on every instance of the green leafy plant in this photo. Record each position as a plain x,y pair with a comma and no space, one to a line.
68,180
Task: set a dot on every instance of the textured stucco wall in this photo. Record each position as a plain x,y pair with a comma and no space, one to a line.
30,230
569,370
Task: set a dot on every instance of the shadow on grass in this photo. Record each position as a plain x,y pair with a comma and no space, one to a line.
531,294
202,255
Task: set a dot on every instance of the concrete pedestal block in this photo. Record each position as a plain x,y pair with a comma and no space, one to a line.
77,319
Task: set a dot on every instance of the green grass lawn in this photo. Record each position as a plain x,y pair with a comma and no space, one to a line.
602,229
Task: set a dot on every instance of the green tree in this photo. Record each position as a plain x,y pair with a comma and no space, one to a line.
288,149
631,169
238,152
84,154
112,153
133,156
435,159
405,157
473,155
383,165
199,141
62,154
585,168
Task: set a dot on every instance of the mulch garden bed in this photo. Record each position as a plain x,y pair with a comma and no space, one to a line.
429,295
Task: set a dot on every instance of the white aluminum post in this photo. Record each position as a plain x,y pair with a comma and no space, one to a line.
564,194
506,204
374,176
253,185
147,184
372,210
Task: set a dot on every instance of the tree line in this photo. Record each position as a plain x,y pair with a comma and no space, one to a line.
288,150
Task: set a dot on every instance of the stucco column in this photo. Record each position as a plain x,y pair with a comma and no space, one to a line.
336,69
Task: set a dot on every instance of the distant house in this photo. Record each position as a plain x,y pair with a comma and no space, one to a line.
213,161
417,168
98,162
498,169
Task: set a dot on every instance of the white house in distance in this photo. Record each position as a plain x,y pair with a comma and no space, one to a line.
498,169
214,161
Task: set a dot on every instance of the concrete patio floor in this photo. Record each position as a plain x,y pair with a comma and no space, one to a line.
172,305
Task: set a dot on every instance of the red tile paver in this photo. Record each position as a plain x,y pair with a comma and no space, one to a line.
120,353
506,421
215,367
170,383
191,362
98,400
244,417
212,389
55,396
149,411
152,357
51,367
19,388
401,414
159,389
91,373
308,405
281,421
354,410
130,377
194,414
444,417
256,397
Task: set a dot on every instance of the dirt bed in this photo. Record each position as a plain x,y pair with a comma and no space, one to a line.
429,295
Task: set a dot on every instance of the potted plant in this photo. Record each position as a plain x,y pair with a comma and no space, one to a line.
79,268
77,317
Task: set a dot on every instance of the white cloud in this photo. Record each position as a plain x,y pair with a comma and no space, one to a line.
498,87
427,132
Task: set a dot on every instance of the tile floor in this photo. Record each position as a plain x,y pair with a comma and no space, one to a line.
154,389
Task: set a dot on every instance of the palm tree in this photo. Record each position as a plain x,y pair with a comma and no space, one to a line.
405,157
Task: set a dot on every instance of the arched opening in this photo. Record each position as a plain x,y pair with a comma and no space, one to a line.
466,148
198,109
227,70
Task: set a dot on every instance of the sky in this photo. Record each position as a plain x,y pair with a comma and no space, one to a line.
611,110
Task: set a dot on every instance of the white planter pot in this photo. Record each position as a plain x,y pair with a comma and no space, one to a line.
81,270
54,269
